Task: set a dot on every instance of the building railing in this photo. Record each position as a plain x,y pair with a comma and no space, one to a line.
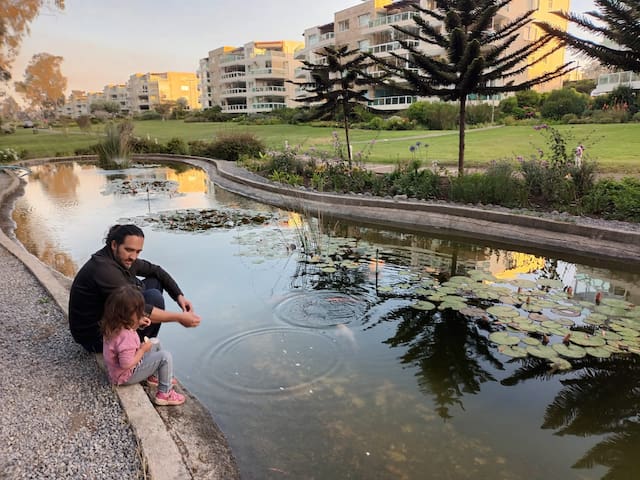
267,71
234,108
396,100
268,106
390,46
231,58
391,19
233,75
608,82
232,91
270,88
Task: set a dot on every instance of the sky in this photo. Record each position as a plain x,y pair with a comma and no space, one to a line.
105,42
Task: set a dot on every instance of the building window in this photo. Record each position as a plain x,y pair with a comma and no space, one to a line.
312,40
550,5
363,45
363,20
343,25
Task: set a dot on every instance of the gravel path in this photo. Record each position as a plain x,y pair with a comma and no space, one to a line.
60,418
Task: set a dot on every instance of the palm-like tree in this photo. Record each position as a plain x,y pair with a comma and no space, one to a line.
336,85
476,57
617,21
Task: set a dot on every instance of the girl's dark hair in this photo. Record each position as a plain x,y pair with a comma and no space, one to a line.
119,232
119,309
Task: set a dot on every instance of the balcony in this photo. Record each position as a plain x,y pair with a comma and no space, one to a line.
392,103
269,89
267,72
300,72
231,58
267,107
239,108
234,92
610,81
394,19
391,46
237,74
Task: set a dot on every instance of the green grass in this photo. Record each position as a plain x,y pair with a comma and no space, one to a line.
614,146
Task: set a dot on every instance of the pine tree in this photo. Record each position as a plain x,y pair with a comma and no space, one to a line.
333,88
475,57
617,21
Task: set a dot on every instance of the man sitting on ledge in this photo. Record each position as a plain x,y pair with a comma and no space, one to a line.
114,265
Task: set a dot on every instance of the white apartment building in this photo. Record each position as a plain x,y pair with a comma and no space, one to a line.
117,93
608,82
250,79
368,26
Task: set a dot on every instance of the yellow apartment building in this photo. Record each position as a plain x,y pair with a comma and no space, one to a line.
368,26
148,90
252,78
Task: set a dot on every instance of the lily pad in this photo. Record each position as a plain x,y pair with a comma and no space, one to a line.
523,283
423,305
567,311
616,303
599,352
503,338
586,340
473,312
558,363
538,317
595,319
569,351
515,351
503,311
531,341
541,351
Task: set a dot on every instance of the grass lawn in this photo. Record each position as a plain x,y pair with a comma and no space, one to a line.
614,146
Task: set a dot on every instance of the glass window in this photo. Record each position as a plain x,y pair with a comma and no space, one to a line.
363,20
343,25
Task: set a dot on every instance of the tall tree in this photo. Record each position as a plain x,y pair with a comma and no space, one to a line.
334,86
616,21
476,55
43,85
15,17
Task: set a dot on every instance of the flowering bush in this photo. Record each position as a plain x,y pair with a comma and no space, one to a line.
8,155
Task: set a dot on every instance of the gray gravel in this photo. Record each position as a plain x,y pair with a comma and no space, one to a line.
60,418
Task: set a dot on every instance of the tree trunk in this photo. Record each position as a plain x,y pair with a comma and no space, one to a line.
345,111
463,121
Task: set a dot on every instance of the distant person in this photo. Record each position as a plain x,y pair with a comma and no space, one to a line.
113,266
129,361
578,156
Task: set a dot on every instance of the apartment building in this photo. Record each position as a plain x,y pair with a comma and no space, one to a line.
252,78
78,103
368,26
117,93
147,90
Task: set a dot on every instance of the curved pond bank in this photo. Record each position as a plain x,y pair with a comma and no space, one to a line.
550,234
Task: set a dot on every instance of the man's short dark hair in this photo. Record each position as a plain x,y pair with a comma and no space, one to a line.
118,233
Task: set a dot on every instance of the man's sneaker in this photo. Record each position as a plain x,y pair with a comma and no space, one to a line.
170,398
153,381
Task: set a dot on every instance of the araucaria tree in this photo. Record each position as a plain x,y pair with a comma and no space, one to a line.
617,21
334,86
473,55
43,85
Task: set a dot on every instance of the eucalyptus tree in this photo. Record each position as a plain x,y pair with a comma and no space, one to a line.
44,84
338,83
616,26
474,55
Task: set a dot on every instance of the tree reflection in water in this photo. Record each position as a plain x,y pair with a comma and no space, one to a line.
449,352
600,397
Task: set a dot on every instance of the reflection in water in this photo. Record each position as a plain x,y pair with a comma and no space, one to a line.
449,353
323,369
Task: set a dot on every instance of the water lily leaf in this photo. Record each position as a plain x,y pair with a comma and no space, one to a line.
515,351
541,351
503,338
569,351
329,269
598,352
584,339
538,317
479,275
558,363
509,300
423,305
423,291
455,306
473,312
385,289
531,341
503,311
610,311
524,327
616,303
454,299
531,307
567,311
565,322
595,319
523,283
549,282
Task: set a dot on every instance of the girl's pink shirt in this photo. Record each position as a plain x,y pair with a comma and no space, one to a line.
119,350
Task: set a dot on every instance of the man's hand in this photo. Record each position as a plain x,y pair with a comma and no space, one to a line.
189,319
185,304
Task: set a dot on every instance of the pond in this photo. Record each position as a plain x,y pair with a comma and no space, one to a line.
334,350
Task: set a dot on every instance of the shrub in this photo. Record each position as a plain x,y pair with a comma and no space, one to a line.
614,200
232,146
499,185
145,145
435,116
563,101
177,146
480,113
8,155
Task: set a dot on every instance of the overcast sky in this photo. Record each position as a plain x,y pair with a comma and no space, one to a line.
105,42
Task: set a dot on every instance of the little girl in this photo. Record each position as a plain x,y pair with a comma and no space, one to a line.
127,360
